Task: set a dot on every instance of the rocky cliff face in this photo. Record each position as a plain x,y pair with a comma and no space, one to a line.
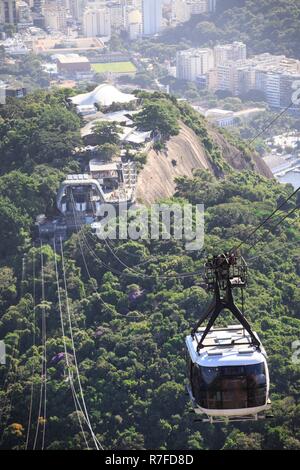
236,158
185,153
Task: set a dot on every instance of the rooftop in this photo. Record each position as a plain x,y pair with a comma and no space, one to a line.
61,44
219,348
104,95
71,59
97,165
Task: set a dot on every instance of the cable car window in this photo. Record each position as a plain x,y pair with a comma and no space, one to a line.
232,387
210,374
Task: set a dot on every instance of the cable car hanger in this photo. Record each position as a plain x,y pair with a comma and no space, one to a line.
223,273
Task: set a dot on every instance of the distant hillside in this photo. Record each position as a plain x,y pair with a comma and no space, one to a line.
265,26
186,152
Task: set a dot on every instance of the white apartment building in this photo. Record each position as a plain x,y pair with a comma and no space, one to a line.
237,51
246,77
271,87
134,24
55,16
134,4
152,16
23,12
193,63
289,83
8,11
211,5
96,22
38,6
197,7
118,17
227,77
76,9
180,11
274,76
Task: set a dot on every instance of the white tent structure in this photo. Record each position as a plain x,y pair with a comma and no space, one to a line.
104,94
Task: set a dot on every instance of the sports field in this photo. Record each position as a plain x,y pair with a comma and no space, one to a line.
114,67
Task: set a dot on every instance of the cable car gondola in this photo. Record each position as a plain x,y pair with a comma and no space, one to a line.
227,367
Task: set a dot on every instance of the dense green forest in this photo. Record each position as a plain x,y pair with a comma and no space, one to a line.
130,354
265,26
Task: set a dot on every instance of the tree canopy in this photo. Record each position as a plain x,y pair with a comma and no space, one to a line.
130,351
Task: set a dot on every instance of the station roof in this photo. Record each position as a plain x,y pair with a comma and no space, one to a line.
219,348
104,95
96,165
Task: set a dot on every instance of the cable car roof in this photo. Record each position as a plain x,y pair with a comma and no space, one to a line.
218,350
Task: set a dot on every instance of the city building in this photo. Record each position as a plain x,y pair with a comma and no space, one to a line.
289,84
220,117
15,90
272,89
193,63
152,17
237,51
23,13
8,11
134,24
54,44
55,16
76,9
38,6
227,77
134,4
211,5
73,63
180,11
118,17
274,76
96,22
197,7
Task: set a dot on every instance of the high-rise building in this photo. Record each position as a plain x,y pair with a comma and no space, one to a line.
288,85
96,22
38,6
133,4
152,17
193,63
134,24
236,51
23,12
8,11
197,6
75,9
180,11
211,5
55,16
272,88
226,77
117,11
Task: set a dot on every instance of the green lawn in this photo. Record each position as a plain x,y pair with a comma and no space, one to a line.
115,67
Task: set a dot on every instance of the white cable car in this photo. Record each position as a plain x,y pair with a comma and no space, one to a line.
228,371
229,377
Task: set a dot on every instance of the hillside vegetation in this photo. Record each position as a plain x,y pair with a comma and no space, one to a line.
130,353
265,26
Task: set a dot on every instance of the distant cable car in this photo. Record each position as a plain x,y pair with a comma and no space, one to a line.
227,367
